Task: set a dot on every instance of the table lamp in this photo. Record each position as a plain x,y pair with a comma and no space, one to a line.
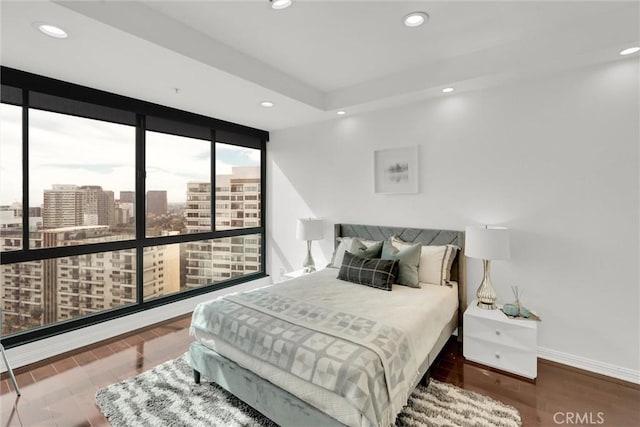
486,243
309,230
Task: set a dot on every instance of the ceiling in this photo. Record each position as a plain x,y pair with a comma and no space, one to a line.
312,59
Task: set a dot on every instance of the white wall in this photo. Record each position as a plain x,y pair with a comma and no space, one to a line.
554,159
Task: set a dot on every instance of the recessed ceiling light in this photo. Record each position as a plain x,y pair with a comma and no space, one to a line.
415,19
630,50
341,113
267,104
51,30
447,90
280,4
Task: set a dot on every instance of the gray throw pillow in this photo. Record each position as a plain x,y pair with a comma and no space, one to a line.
362,250
355,246
409,258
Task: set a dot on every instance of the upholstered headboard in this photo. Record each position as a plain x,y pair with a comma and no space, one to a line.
426,237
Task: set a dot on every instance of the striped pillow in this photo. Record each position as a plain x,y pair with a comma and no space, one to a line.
435,262
374,272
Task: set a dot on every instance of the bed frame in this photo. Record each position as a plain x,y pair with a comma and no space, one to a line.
286,409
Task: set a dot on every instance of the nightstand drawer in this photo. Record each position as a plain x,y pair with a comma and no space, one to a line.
510,359
510,334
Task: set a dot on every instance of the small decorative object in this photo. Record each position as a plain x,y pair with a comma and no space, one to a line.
396,170
516,309
309,230
511,310
487,243
517,294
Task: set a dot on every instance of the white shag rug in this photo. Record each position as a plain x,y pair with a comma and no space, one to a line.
167,396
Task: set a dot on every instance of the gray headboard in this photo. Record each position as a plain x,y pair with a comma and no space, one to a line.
426,237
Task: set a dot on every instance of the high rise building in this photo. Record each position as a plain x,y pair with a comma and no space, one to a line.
48,291
63,206
23,293
127,201
11,224
157,202
10,229
237,205
11,217
71,206
124,213
128,196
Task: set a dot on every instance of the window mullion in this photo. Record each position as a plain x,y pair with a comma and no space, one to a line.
140,208
25,170
212,207
140,178
263,207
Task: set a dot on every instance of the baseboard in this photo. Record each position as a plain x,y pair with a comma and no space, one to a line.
602,368
33,352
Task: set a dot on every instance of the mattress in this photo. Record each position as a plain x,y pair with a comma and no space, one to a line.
419,313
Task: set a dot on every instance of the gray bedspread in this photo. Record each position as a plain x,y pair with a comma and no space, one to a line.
365,361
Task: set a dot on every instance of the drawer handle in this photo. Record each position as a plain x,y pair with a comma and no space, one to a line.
497,355
498,332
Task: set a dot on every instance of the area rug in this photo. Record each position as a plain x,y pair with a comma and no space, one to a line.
167,396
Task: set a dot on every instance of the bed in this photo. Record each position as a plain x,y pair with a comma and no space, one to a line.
284,349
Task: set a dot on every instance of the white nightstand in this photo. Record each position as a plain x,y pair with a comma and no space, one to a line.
293,274
493,339
290,275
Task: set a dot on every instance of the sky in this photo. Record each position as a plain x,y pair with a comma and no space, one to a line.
72,150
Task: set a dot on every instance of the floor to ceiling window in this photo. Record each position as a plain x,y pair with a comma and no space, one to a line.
110,205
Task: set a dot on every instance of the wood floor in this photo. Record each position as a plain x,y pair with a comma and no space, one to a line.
61,392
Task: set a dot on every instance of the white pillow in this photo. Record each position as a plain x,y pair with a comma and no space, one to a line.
435,262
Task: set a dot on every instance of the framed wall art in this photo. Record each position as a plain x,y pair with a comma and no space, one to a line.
396,170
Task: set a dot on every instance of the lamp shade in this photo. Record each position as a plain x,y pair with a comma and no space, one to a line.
486,242
310,229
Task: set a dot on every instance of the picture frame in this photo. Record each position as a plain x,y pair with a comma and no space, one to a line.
396,170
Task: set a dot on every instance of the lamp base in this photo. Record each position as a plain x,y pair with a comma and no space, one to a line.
487,306
308,266
486,293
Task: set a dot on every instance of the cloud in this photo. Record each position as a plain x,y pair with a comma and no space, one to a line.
76,150
101,168
237,156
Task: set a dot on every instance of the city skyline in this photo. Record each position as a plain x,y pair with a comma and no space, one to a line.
42,292
72,150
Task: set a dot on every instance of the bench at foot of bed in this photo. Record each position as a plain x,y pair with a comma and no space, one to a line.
273,402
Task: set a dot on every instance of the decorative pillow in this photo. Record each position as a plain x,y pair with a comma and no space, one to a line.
374,272
409,259
338,253
348,244
373,250
435,262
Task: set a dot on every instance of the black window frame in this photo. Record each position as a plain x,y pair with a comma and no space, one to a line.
220,131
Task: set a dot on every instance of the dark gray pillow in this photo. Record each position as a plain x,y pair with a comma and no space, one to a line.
409,258
374,272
